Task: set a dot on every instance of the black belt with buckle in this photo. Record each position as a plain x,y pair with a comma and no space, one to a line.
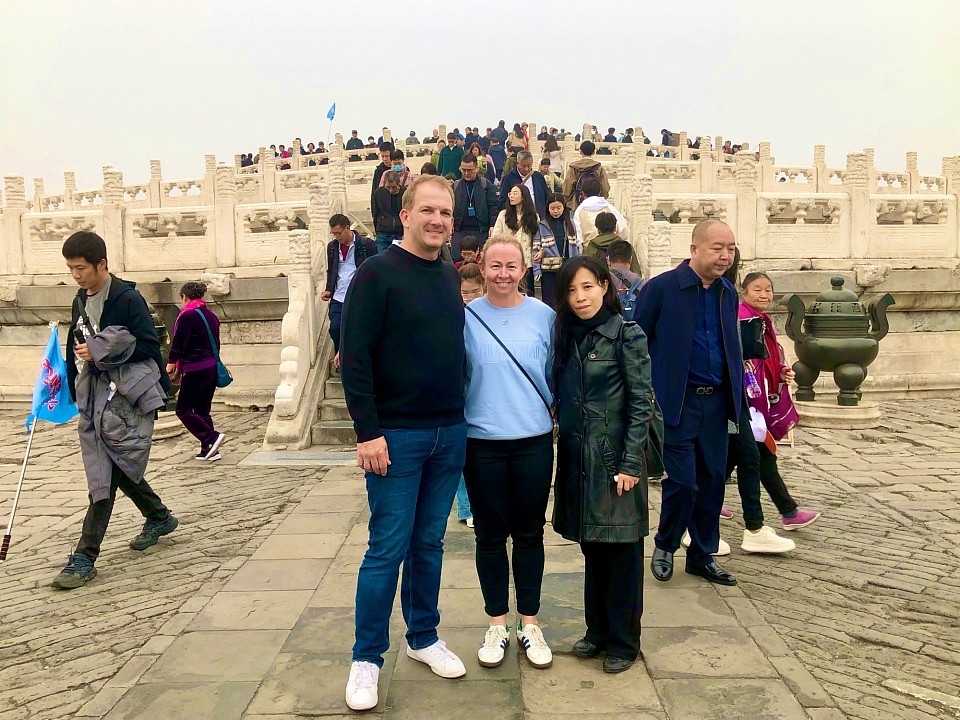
704,389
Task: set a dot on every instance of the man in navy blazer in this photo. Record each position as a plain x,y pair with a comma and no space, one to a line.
689,315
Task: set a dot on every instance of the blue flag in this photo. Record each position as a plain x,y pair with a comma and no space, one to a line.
51,396
332,111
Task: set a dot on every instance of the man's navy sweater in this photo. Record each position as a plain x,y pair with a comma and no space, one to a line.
402,356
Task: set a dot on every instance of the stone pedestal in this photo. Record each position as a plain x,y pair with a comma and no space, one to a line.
167,426
825,413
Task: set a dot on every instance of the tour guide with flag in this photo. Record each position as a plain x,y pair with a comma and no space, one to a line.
115,375
51,402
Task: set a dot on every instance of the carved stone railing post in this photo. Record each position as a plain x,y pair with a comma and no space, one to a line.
268,175
295,165
951,171
913,172
683,152
38,195
746,182
535,146
442,131
338,187
69,188
659,248
624,172
14,206
708,175
318,214
718,148
857,184
237,159
112,210
338,145
224,216
640,216
209,180
387,135
820,163
587,133
299,329
768,182
871,170
153,188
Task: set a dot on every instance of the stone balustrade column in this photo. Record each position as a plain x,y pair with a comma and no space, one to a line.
857,184
69,188
718,148
209,180
153,187
745,177
38,205
820,163
338,186
297,145
112,210
318,214
683,152
768,181
268,176
708,174
641,215
659,248
951,171
298,348
587,133
442,130
388,135
338,145
237,167
532,132
913,172
14,206
623,170
226,232
871,170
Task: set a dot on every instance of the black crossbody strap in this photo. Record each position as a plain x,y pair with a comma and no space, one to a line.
511,356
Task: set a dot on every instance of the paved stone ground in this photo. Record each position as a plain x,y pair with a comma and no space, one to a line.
861,622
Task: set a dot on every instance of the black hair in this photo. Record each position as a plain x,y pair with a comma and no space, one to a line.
469,158
470,271
529,220
587,147
194,290
397,155
517,129
450,176
591,187
619,251
562,337
339,220
87,245
470,242
752,277
384,146
611,131
565,217
731,273
606,222
429,169
550,144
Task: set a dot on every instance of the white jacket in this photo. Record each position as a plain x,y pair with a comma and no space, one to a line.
584,219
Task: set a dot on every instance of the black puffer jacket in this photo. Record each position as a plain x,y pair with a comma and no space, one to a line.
604,408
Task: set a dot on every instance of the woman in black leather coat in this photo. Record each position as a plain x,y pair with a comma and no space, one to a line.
604,399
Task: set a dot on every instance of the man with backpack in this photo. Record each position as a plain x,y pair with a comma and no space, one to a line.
475,205
586,168
626,282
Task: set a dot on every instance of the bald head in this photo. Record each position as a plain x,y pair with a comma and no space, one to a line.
712,249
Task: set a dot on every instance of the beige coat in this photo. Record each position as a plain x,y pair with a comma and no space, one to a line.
530,245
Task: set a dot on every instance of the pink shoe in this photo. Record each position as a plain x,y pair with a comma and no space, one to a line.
800,520
725,514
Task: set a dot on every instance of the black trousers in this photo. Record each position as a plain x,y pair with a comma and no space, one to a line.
98,514
508,482
756,465
613,596
548,288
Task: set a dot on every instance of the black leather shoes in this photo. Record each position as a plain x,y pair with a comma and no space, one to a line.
713,573
613,664
661,565
586,649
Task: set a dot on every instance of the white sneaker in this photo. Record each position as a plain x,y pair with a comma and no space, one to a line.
530,638
765,540
470,521
495,641
722,549
442,661
362,686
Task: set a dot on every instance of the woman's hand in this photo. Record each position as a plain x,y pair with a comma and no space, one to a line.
787,374
625,483
538,256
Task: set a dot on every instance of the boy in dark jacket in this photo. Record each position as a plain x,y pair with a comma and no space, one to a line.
111,327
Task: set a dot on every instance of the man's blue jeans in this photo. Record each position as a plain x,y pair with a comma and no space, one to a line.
384,241
409,507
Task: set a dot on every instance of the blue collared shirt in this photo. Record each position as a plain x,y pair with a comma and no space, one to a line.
706,360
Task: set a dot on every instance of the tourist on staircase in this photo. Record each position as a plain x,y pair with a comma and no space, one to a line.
579,171
509,460
475,204
558,243
387,201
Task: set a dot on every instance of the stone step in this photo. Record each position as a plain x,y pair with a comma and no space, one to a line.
331,409
333,432
333,389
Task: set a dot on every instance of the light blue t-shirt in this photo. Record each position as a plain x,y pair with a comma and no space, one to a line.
501,402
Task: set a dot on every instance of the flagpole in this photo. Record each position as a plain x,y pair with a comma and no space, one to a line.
16,498
329,132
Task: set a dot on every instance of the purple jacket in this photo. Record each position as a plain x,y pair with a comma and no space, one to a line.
190,346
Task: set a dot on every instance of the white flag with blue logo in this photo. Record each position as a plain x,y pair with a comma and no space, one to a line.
51,395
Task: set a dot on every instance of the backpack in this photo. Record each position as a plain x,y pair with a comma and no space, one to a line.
628,296
589,173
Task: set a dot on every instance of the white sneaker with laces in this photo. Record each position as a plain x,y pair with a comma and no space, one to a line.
362,686
495,642
442,661
470,521
765,540
530,638
722,549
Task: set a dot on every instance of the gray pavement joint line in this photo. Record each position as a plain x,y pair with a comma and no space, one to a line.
942,700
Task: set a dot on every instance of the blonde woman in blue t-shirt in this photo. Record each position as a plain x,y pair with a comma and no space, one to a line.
508,338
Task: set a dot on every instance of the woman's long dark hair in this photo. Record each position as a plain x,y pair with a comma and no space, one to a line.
517,130
562,336
567,222
550,144
529,220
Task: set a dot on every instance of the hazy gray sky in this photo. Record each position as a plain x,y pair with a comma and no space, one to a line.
84,84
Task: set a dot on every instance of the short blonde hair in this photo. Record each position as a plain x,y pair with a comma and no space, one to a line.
504,240
410,193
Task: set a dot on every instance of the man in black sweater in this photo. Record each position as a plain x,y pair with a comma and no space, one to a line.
402,359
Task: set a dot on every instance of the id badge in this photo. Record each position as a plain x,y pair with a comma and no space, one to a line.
471,211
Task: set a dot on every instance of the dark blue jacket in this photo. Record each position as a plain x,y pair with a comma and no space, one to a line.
540,191
665,309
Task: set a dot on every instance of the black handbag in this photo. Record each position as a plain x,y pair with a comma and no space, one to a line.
752,340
